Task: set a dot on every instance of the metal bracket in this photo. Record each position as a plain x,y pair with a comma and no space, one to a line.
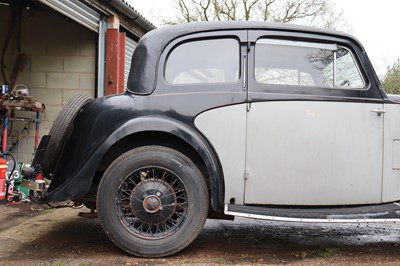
248,107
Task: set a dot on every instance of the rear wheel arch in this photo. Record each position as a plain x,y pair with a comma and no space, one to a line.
187,143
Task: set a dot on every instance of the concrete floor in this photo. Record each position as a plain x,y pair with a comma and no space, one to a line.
31,235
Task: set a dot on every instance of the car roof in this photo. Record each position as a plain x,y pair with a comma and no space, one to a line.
145,58
174,31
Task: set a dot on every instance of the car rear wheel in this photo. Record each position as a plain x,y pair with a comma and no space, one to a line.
152,201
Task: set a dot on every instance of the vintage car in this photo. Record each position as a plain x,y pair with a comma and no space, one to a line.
252,119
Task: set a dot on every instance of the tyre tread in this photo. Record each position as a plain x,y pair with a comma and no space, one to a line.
59,131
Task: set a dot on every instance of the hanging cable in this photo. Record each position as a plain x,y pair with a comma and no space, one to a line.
5,46
16,22
13,169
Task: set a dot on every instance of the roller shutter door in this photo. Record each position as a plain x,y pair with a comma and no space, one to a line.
130,46
76,11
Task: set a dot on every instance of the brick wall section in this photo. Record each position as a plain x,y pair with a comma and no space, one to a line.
61,63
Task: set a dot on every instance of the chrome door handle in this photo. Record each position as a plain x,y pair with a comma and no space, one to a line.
378,111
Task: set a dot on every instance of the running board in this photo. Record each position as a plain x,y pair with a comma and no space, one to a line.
389,212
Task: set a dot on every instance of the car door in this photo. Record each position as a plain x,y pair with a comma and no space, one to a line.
314,123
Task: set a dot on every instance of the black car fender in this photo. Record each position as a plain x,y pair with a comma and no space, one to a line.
78,184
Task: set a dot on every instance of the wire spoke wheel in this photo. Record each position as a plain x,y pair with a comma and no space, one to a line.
152,203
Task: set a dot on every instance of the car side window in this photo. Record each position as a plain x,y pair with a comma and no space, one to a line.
284,62
204,61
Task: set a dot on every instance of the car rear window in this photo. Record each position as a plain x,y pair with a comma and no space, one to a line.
204,61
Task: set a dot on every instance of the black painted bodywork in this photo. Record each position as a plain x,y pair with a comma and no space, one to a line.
152,105
107,120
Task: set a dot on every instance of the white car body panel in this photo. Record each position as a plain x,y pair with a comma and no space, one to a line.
314,153
391,155
299,152
225,128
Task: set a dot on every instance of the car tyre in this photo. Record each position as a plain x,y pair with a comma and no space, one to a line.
59,131
152,201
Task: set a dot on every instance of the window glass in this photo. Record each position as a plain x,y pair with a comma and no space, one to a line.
306,64
204,61
283,76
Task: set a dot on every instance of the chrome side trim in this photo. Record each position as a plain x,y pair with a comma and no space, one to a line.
306,220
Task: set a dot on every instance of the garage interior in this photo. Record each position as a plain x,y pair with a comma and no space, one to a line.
52,50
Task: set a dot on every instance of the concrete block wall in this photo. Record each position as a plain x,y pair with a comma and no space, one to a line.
61,62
